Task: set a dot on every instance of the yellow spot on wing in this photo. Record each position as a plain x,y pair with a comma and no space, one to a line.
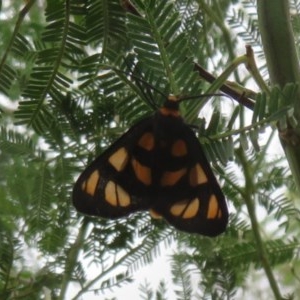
192,209
179,148
169,112
146,141
90,185
119,159
171,178
178,208
197,175
142,172
213,207
115,195
186,209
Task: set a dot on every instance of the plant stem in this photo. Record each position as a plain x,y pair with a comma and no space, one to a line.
71,259
261,250
278,41
283,65
239,96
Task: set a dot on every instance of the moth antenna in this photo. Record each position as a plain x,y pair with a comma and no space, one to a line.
184,98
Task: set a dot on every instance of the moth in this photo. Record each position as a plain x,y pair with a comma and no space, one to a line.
157,165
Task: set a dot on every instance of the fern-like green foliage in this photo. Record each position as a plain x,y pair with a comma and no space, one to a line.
74,75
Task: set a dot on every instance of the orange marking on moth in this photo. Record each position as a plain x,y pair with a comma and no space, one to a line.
142,172
146,141
115,195
197,175
213,207
169,112
154,214
170,178
186,209
119,159
178,208
90,185
192,209
179,148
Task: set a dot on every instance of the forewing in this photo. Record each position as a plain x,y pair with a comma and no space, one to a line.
195,203
113,185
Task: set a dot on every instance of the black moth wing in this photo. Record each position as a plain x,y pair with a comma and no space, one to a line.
157,165
192,200
108,187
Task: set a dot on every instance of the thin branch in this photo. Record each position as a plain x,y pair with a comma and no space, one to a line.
19,22
72,258
261,249
107,271
239,97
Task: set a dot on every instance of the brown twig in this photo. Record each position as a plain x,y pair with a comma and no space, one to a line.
240,98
